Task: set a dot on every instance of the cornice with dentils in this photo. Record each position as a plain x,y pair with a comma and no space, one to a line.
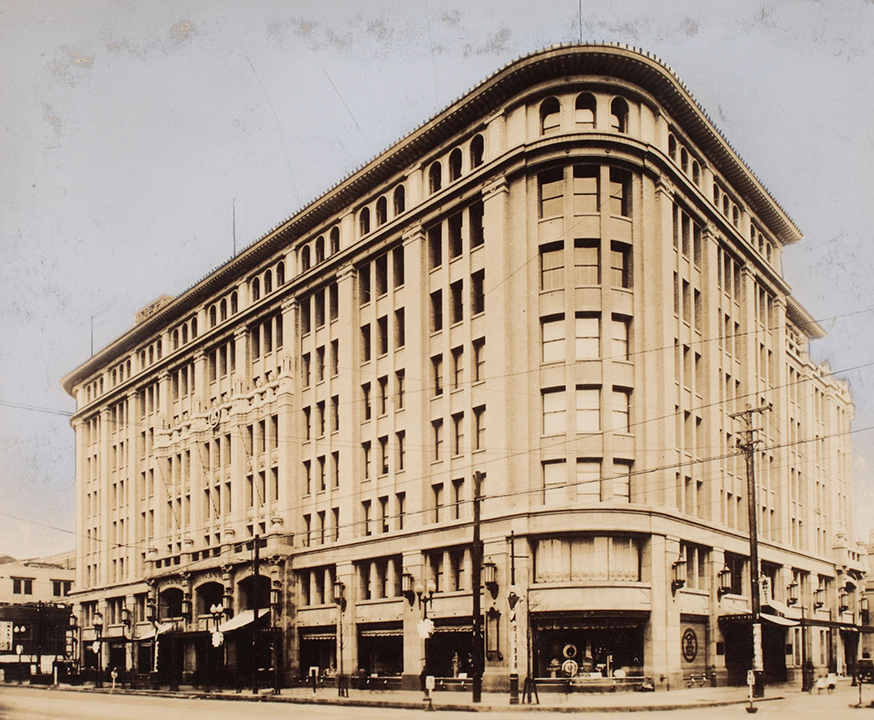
611,60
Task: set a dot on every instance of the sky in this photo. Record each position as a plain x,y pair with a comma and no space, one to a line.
142,143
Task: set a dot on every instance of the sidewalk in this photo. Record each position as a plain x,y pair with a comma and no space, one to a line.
461,701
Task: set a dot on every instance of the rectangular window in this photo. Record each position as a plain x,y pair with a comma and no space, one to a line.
365,459
454,226
381,265
400,329
620,265
587,329
553,334
478,292
457,497
621,481
588,408
457,433
334,300
364,284
335,469
555,482
400,438
319,308
382,335
554,411
619,330
437,372
479,359
307,477
320,363
479,429
365,343
307,423
383,455
475,215
620,192
435,247
585,190
383,394
457,368
305,318
320,417
437,495
322,483
335,357
621,407
335,413
436,311
365,400
456,291
437,431
305,369
587,263
399,389
552,266
398,265
335,519
383,516
365,517
551,193
588,481
401,506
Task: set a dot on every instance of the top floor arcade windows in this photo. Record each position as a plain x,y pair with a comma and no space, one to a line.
584,110
435,177
477,150
619,115
550,116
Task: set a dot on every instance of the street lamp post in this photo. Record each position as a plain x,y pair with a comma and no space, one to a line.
806,669
98,647
426,628
217,638
126,625
340,599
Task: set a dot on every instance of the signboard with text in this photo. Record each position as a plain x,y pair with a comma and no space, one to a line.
5,636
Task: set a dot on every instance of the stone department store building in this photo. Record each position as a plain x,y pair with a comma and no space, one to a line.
567,280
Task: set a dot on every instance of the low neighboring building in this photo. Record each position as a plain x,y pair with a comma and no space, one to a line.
35,629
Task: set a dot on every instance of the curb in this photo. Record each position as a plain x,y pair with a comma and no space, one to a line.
407,705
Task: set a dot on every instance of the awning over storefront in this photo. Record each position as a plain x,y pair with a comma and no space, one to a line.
777,620
784,610
158,629
241,620
591,620
767,617
323,636
383,632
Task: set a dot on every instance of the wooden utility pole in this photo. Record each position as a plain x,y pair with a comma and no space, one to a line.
255,630
476,558
747,445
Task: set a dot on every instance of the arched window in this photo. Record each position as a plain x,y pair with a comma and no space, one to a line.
768,249
212,315
176,339
454,165
335,240
550,116
725,205
381,211
268,282
223,310
477,150
584,113
716,195
142,365
234,303
193,328
320,249
127,364
364,221
684,160
305,258
280,273
400,200
159,349
619,115
696,172
184,334
672,147
114,378
435,177
735,215
256,289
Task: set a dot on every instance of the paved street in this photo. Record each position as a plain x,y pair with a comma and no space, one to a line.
24,703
